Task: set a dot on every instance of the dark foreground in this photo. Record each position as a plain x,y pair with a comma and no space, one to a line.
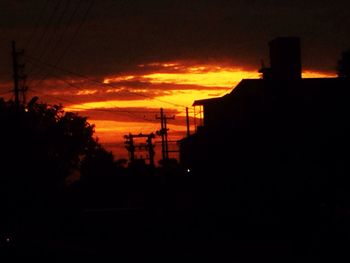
175,219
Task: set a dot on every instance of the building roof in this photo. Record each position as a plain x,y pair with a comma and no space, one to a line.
205,101
301,87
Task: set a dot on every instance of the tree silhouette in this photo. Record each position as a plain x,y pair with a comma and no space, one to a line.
41,147
343,68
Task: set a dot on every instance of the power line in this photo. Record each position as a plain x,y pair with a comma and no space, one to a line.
55,28
76,31
48,25
75,34
35,29
45,32
66,28
68,25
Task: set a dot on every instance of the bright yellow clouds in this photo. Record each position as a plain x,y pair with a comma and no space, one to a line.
219,78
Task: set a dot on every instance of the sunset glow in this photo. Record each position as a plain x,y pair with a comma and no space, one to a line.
198,76
172,86
187,74
181,97
128,103
315,74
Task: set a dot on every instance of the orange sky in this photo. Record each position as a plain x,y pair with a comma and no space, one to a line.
173,87
129,102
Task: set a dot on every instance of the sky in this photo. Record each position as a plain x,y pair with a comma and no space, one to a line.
119,62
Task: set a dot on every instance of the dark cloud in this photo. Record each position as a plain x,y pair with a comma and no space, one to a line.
70,90
119,35
69,97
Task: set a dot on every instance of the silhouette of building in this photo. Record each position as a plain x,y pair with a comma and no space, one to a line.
278,125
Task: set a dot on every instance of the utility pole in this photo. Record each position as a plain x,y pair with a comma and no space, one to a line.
161,132
166,138
187,122
15,74
148,146
164,133
23,88
129,145
194,118
18,75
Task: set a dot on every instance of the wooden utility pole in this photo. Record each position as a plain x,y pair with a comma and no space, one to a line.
18,77
150,148
194,118
166,138
15,74
187,122
161,132
164,133
129,145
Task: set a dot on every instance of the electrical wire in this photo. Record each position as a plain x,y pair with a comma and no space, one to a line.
37,23
66,28
54,32
48,25
69,44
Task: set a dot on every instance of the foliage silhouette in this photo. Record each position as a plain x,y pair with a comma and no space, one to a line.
42,149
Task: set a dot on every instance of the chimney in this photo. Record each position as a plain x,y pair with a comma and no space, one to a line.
285,58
